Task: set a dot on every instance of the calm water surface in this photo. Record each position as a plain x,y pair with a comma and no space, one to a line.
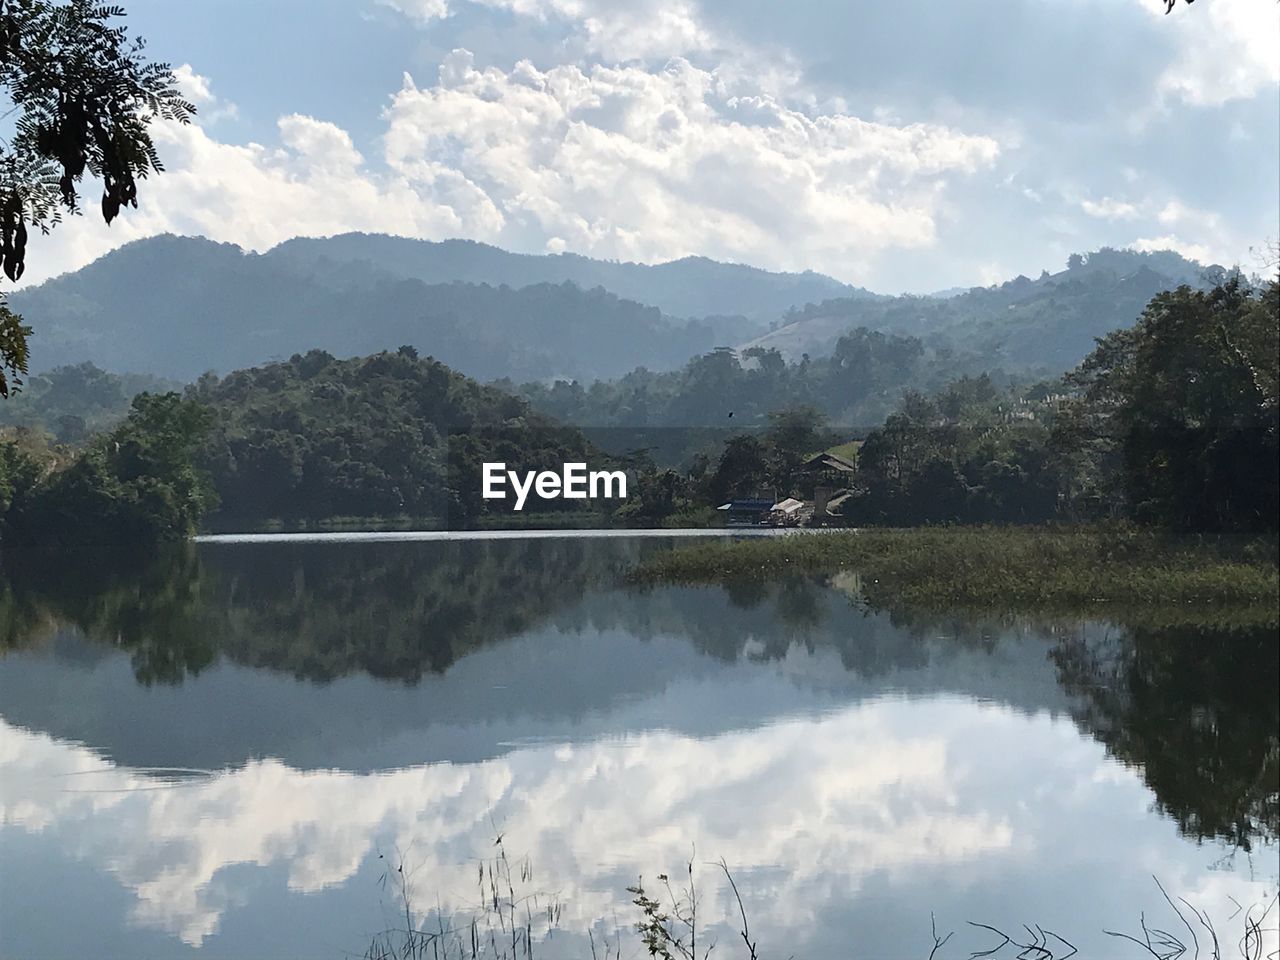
228,751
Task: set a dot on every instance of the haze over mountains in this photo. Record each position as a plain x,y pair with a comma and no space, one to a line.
689,287
177,307
1045,325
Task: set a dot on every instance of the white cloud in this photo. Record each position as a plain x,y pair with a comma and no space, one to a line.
808,807
1228,50
1198,234
423,10
621,162
1169,241
314,184
193,86
637,164
617,30
823,815
199,91
1109,209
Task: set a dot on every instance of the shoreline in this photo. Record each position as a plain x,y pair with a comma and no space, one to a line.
427,536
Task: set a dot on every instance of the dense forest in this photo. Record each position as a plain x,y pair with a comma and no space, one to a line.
393,434
310,439
72,403
1170,422
136,484
855,387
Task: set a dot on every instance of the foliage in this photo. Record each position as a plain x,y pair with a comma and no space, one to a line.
137,484
72,403
1172,422
860,382
26,458
392,434
1183,407
1186,707
14,351
971,454
84,97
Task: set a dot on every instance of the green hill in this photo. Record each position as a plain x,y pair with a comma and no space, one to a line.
314,438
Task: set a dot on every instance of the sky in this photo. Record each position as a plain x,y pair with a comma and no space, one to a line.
911,146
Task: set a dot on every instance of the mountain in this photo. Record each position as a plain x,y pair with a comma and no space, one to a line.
691,287
1046,325
177,307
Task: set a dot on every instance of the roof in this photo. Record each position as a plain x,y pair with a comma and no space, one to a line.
830,461
789,505
748,503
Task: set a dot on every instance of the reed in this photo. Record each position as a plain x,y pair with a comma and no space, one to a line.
1014,568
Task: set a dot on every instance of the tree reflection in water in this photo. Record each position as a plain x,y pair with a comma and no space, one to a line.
1192,705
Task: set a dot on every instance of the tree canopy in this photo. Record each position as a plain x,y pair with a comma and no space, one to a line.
84,96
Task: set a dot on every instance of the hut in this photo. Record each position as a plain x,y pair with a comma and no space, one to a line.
747,511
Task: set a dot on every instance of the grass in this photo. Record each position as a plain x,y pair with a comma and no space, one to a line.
509,923
998,567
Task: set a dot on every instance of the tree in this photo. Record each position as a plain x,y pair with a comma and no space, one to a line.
1187,401
793,436
137,485
84,97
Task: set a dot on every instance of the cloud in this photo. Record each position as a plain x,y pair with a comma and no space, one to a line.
193,86
1197,234
791,137
1109,209
790,796
638,164
314,183
199,91
1227,50
422,10
616,30
816,810
1169,241
623,162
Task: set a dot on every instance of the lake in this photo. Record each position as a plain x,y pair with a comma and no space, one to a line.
265,748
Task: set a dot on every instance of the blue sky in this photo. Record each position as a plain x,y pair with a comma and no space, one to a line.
903,146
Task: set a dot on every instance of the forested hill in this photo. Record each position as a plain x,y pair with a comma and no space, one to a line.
177,307
1045,326
392,434
312,438
690,287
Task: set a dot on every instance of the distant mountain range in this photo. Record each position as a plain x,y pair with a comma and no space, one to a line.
176,307
691,287
1045,325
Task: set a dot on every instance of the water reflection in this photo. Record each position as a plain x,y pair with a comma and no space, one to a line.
860,768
